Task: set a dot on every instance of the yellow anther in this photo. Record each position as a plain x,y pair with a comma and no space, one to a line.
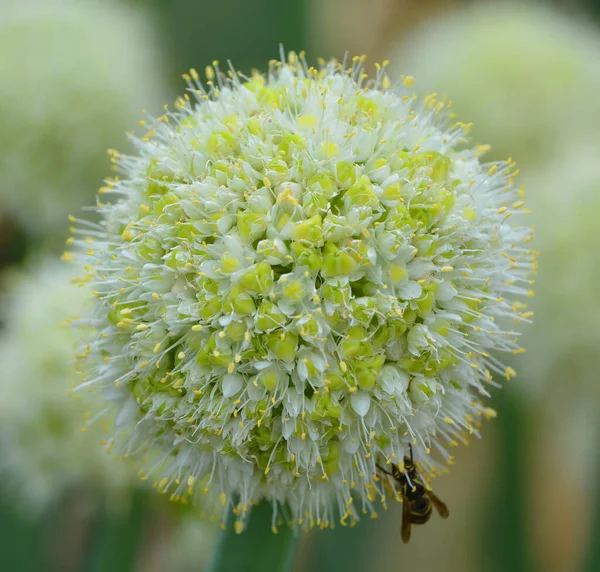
489,413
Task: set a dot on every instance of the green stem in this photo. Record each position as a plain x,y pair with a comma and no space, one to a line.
351,549
507,545
22,544
592,556
257,548
114,547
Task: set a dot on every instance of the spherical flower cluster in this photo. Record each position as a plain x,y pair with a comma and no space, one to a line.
523,72
300,275
43,450
75,74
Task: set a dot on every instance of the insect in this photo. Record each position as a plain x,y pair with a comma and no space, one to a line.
417,499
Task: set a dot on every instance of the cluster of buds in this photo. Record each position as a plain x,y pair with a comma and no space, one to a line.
299,275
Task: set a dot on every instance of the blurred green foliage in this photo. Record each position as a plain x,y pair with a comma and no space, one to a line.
196,32
14,242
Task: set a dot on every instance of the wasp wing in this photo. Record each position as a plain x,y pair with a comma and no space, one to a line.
439,505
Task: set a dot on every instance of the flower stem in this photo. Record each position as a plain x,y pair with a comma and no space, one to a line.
23,546
257,548
349,548
117,540
592,557
507,546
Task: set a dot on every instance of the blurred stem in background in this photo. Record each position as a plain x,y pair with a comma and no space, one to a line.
14,242
247,33
594,6
350,549
22,543
507,543
256,548
117,539
592,558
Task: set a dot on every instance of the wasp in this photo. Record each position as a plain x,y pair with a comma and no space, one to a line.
416,497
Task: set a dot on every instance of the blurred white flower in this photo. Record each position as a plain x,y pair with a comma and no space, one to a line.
562,344
43,450
75,74
559,368
525,74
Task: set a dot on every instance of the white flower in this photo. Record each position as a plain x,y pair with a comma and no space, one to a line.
43,448
298,276
524,73
75,74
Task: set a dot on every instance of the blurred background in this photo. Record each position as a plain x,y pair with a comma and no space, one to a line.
75,76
